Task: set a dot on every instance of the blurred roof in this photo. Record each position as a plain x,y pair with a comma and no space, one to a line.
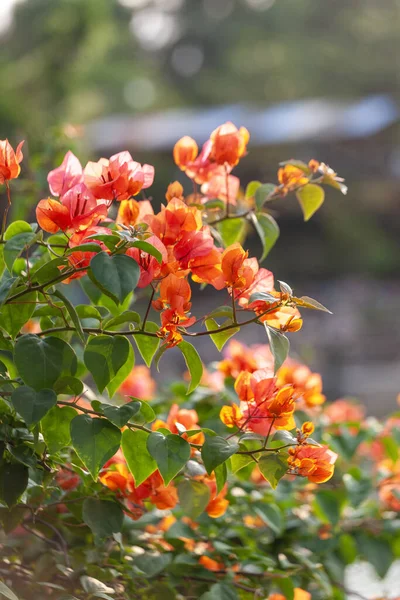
286,122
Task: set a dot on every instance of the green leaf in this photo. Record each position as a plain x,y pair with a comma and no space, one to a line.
268,232
41,361
122,374
32,405
13,482
171,453
273,467
49,270
16,228
330,504
55,427
110,240
104,517
213,204
284,436
95,441
287,588
307,302
239,461
193,497
263,194
193,363
148,248
152,564
68,385
104,356
232,230
5,591
116,276
221,475
251,189
147,345
220,591
221,311
220,339
6,285
140,462
14,315
272,516
146,414
16,246
128,316
72,313
310,197
120,415
279,345
85,311
84,248
215,451
377,551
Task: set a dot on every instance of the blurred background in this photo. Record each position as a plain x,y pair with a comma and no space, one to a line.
309,79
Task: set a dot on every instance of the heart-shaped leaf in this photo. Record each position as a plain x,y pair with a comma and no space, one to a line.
140,463
116,276
32,405
215,451
147,345
104,356
171,453
120,415
193,497
104,517
56,427
279,345
311,197
41,361
95,441
273,467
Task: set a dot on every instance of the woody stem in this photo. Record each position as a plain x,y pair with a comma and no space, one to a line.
148,309
227,191
5,215
269,432
234,307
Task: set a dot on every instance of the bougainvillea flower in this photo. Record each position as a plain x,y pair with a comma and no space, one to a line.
207,268
238,270
238,357
175,219
66,176
332,178
132,212
307,385
171,320
221,186
229,144
118,178
291,178
77,211
389,492
263,282
185,151
81,259
344,411
187,418
67,480
9,161
317,463
218,504
231,416
192,244
210,564
138,384
150,268
175,293
174,190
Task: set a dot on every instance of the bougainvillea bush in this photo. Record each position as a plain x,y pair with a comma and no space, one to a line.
238,481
